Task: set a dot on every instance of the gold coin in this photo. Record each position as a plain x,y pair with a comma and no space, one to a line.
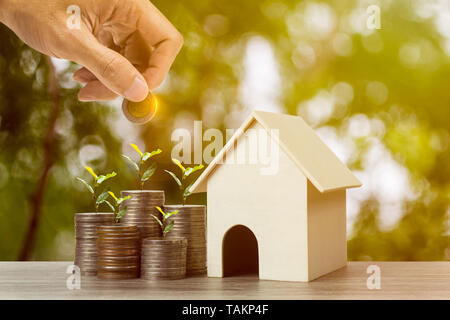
140,112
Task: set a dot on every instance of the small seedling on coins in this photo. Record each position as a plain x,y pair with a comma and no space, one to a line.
143,175
98,180
165,227
117,210
185,173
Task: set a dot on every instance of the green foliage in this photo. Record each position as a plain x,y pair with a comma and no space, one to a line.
102,197
119,211
143,175
25,108
149,172
88,186
174,176
185,172
165,227
133,164
98,180
102,178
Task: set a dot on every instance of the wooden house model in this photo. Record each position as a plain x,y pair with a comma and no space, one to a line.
284,218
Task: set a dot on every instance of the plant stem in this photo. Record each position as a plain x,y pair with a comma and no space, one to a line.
140,175
94,196
36,198
182,187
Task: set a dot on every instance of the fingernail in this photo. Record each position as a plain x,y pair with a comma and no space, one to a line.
138,90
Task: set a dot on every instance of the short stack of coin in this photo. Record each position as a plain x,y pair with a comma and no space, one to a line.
190,223
86,239
163,258
140,207
118,249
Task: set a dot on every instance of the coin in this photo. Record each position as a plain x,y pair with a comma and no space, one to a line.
140,207
190,222
163,258
118,252
142,111
86,239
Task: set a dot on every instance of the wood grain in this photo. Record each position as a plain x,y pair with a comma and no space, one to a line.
399,280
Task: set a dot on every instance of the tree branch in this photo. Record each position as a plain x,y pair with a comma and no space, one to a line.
37,197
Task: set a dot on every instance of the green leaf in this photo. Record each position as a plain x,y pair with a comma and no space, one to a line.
110,205
102,197
160,210
120,200
133,164
121,213
167,216
89,169
157,219
169,227
103,178
112,195
135,147
174,177
187,191
193,169
88,186
178,163
150,171
145,156
148,155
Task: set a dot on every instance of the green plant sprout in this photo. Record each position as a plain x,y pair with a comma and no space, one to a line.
165,227
98,179
139,167
185,172
118,212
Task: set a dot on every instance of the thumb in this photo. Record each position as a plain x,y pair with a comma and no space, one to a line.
113,70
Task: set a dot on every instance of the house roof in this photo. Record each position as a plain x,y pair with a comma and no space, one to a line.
302,145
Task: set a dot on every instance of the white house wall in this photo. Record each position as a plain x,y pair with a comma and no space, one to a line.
272,206
327,240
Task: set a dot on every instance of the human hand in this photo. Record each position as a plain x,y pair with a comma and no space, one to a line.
126,47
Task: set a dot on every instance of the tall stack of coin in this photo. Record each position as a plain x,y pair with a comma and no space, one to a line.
190,223
118,249
86,239
163,258
140,208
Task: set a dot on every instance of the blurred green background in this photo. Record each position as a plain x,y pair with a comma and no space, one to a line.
379,98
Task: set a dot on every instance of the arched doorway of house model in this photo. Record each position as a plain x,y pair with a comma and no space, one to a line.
240,252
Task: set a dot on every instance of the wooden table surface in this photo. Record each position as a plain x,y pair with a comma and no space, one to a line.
399,280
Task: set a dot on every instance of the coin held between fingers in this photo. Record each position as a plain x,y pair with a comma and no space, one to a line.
140,112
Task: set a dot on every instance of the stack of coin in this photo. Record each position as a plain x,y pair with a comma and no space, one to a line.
190,223
86,239
163,258
140,207
118,249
